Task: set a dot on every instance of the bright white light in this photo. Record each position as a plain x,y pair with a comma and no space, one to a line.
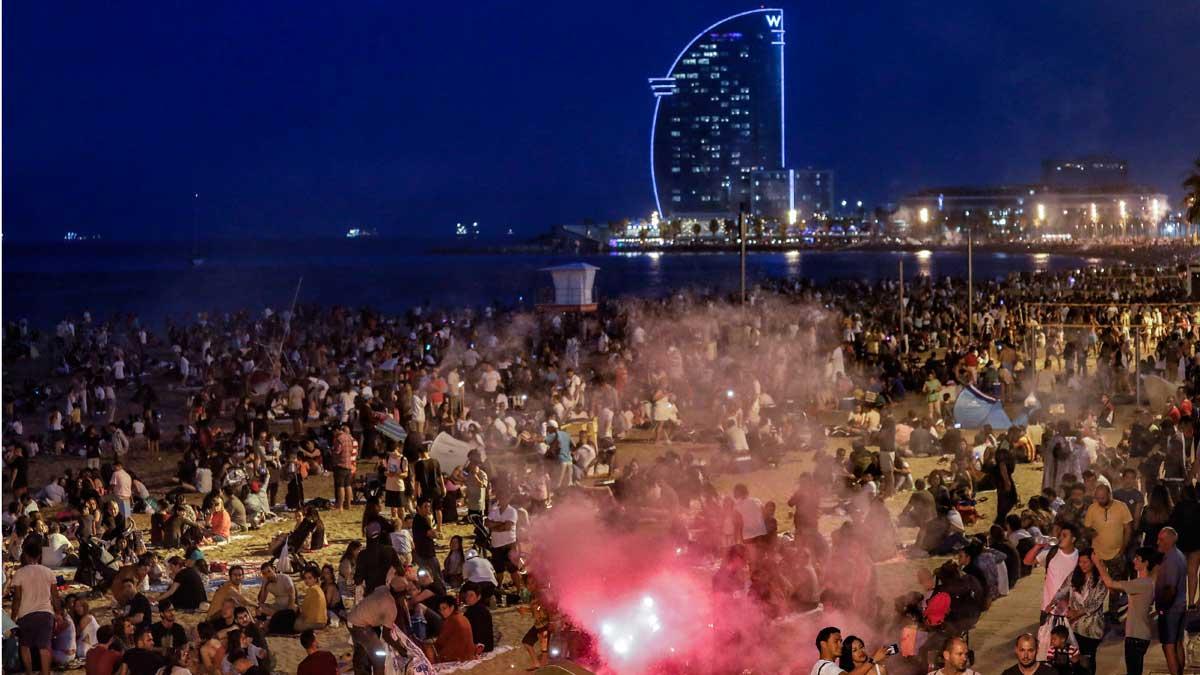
791,216
923,215
924,254
647,602
606,629
621,646
1121,206
858,203
729,393
1041,211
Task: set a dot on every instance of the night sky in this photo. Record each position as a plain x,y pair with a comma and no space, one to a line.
306,118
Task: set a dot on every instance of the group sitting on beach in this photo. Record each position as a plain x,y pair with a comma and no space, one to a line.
453,433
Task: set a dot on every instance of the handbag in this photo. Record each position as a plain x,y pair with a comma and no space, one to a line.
1043,635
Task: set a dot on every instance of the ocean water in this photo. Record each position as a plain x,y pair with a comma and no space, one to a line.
45,282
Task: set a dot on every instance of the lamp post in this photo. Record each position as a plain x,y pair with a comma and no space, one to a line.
742,236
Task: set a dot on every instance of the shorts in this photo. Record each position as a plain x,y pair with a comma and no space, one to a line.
501,561
393,498
341,477
35,629
297,414
532,636
1170,627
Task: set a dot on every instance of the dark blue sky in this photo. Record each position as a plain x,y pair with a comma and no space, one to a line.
305,118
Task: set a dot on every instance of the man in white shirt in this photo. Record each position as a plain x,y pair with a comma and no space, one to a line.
829,650
122,488
1056,590
477,569
57,551
502,521
749,524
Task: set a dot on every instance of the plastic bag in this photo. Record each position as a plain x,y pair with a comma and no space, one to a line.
284,563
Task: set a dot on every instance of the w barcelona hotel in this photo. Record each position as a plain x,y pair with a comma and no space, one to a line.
717,138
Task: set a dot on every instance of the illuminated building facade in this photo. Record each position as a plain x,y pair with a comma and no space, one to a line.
719,116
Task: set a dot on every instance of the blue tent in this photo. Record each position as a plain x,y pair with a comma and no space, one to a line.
973,409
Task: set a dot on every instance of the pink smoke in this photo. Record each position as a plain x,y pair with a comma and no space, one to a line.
649,607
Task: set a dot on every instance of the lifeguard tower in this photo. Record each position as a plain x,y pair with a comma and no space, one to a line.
572,292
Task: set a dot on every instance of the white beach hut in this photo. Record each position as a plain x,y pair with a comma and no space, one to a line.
573,288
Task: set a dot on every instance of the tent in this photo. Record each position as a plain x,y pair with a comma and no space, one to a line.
1158,391
973,409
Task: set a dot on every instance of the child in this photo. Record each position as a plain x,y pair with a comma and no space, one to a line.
1062,654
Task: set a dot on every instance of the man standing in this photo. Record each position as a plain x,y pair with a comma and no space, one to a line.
396,468
560,442
933,395
35,599
829,650
295,404
1113,526
424,540
345,451
1056,590
1027,663
954,657
318,661
1170,599
122,489
375,560
1006,487
502,521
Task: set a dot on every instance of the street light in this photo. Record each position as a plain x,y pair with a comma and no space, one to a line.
791,216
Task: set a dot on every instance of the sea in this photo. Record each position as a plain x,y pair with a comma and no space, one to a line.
44,283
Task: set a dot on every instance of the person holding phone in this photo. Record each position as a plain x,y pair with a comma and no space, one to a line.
855,657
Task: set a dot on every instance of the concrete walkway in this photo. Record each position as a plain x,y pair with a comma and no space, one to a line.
1010,616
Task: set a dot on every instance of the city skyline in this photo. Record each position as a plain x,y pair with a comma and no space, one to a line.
408,120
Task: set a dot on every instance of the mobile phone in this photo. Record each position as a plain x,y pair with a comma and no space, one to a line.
892,649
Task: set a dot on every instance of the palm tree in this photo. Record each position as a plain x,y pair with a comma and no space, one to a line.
1191,200
696,229
714,227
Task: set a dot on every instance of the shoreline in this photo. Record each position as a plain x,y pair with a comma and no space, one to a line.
1174,253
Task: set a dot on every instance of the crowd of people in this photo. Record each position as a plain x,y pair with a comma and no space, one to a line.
252,407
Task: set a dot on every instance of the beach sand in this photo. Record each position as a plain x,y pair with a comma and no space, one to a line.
992,639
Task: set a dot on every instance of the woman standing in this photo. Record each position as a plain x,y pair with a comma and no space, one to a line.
1086,609
1138,621
854,655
